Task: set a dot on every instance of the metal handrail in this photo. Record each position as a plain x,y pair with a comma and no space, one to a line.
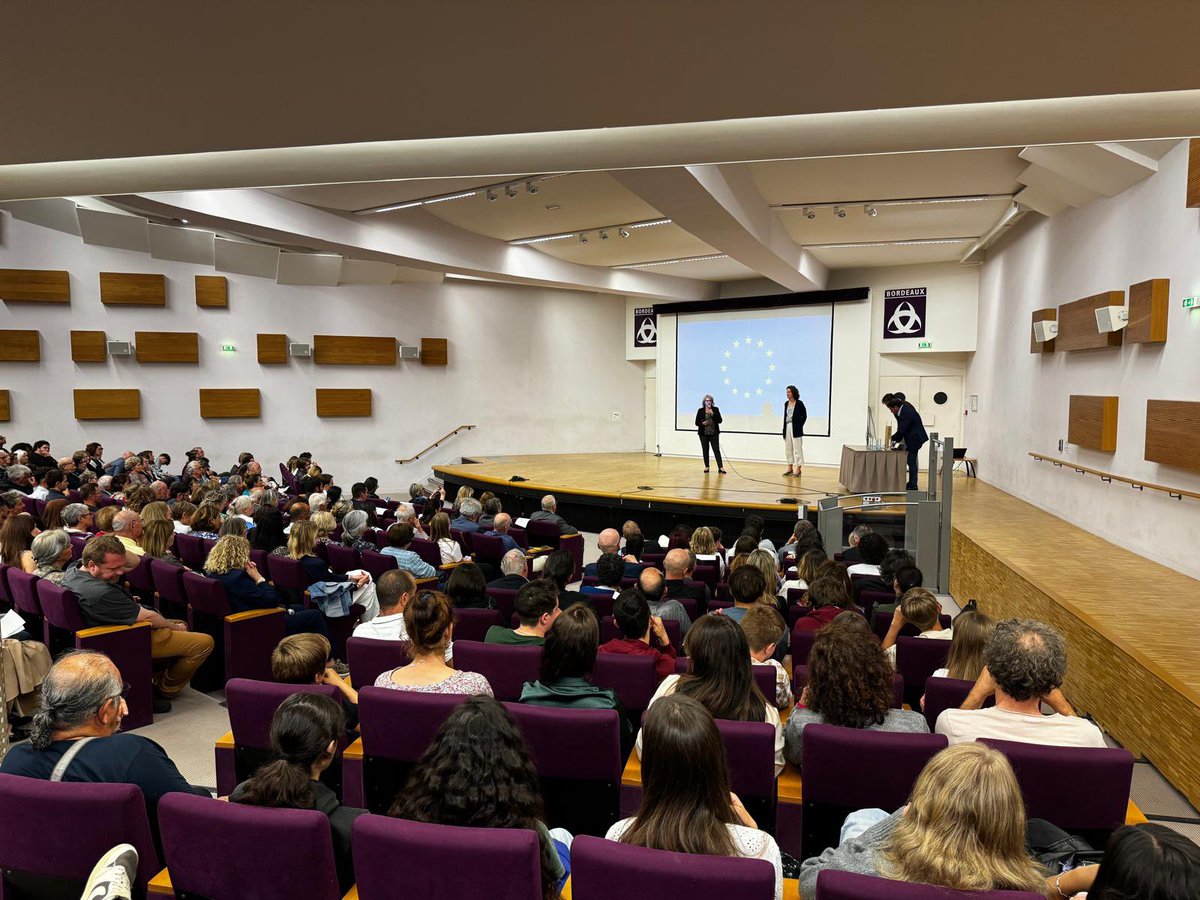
1109,478
436,443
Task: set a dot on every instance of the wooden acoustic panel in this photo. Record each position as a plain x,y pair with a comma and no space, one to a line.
1193,185
89,346
1148,302
212,291
272,349
108,403
132,289
1171,429
230,403
340,402
1092,422
5,406
346,350
167,346
1042,315
20,346
1077,323
35,285
435,352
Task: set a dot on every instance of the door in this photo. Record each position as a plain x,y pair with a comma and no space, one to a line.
941,406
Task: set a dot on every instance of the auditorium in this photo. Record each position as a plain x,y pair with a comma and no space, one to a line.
541,451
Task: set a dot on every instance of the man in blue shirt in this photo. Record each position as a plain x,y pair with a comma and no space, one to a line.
609,541
468,515
399,537
500,526
610,568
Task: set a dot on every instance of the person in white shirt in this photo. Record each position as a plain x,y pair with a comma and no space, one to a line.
394,590
243,508
921,609
872,548
1026,663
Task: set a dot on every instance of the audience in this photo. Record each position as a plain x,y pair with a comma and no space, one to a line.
653,588
491,508
609,569
158,537
885,582
1141,862
872,548
513,566
679,565
229,563
608,542
52,514
852,554
705,549
354,526
16,542
439,531
972,631
428,620
549,513
267,534
536,607
559,568
469,511
467,588
51,551
501,524
921,609
765,631
328,584
828,598
304,659
395,590
400,537
747,588
631,613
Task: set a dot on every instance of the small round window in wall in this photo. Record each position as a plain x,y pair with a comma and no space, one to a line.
940,398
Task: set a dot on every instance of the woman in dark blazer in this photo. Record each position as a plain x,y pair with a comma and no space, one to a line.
708,426
794,417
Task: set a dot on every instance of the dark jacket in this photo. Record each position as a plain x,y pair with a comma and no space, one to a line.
909,427
509,582
799,417
244,594
716,420
579,693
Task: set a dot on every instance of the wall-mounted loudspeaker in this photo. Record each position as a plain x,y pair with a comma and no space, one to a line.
1044,331
295,349
120,348
1111,318
409,352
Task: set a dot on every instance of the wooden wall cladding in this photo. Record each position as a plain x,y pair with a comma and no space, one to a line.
108,403
212,291
35,285
1077,323
89,346
1148,303
132,289
345,350
1193,185
20,346
435,352
167,346
1171,429
1092,422
230,403
272,349
341,402
1042,315
5,406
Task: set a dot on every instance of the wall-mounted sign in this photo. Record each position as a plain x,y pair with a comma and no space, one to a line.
904,313
645,327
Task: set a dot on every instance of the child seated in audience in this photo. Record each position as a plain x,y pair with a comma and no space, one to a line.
686,805
827,597
901,581
746,588
632,615
764,628
921,609
971,632
428,619
1141,862
304,659
305,731
477,773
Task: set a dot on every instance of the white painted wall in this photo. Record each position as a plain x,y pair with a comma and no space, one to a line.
539,371
1145,232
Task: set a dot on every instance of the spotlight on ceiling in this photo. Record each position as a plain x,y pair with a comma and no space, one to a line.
583,239
870,210
809,214
491,195
603,235
531,188
623,232
839,212
509,192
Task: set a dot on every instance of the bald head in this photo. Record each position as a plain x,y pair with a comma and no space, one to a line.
676,563
609,540
80,694
650,582
128,524
502,522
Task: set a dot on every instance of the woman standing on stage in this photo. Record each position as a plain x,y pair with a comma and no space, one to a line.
794,417
708,426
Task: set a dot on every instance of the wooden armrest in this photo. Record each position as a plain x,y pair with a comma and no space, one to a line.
109,629
254,614
632,775
1134,816
423,581
160,885
354,751
787,786
225,741
352,894
446,567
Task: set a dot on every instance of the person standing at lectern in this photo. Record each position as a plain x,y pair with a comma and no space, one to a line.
708,426
909,429
794,417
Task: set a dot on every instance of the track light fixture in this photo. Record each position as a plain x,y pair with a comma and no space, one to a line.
509,192
809,214
583,239
531,188
603,235
839,212
870,210
491,195
623,232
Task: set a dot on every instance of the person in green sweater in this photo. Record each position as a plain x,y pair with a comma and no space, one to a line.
537,608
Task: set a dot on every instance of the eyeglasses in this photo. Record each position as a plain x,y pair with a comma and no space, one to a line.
126,687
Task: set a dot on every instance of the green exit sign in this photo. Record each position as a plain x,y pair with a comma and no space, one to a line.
1191,302
228,348
925,345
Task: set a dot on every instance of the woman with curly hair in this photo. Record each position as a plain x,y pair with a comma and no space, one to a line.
478,773
850,683
229,563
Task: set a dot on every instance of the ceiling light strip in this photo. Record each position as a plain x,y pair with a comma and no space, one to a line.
507,186
913,243
671,262
906,201
543,238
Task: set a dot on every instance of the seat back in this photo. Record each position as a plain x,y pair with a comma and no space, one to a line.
427,550
487,548
369,658
378,563
707,573
849,768
833,884
473,624
168,581
750,756
290,574
506,668
261,559
60,606
542,534
868,600
605,870
917,659
942,694
23,588
223,850
431,858
506,601
601,604
141,583
206,595
191,550
251,705
632,678
343,558
801,645
78,542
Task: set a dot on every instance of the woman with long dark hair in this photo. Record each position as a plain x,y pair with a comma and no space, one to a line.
794,417
467,588
305,731
687,806
708,427
16,542
1141,862
268,534
478,773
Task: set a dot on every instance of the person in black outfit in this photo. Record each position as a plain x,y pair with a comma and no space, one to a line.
708,426
909,429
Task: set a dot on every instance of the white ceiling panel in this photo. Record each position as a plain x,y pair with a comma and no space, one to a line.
366,271
190,245
723,269
890,255
110,229
241,258
892,223
57,213
407,274
309,268
642,245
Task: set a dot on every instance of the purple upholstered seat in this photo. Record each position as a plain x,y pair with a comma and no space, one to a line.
750,756
427,550
191,550
506,668
244,640
505,599
261,559
290,576
835,885
473,624
633,678
942,694
368,658
487,548
916,660
78,542
801,645
168,582
378,563
141,584
343,558
606,870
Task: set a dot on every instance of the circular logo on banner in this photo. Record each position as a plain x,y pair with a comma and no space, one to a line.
904,320
647,333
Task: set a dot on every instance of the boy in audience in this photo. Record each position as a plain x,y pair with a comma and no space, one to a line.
906,578
537,608
304,659
746,587
921,609
764,628
632,614
610,569
872,547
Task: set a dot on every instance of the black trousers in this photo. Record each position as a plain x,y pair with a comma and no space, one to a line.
715,441
913,465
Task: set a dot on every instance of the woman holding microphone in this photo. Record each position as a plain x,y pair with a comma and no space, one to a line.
708,426
794,417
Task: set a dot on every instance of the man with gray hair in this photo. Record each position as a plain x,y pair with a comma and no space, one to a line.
127,526
469,512
17,478
161,490
78,518
500,526
549,513
513,567
1025,663
406,514
852,553
76,735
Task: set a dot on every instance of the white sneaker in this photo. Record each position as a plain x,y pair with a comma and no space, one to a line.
113,876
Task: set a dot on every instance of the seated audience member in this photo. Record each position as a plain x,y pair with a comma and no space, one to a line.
635,546
18,478
428,619
323,521
51,485
51,551
234,525
827,597
439,531
549,513
206,521
158,537
491,508
885,582
807,568
399,537
753,527
77,518
921,609
16,542
102,601
467,588
513,566
631,613
229,563
746,587
104,519
242,507
1141,862
972,631
767,564
705,550
268,534
686,804
679,565
304,659
305,731
852,554
477,773
1025,663
136,469
560,569
537,608
654,588
872,548
948,836
903,580
850,683
155,511
610,569
680,536
630,529
804,537
765,629
301,542
742,547
469,512
501,524
83,697
609,542
91,496
720,676
354,528
465,492
12,503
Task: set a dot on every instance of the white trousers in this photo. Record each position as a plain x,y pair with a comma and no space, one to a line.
794,449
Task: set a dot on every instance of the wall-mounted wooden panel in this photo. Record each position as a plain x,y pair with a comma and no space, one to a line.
1148,301
338,402
272,349
1077,323
212,291
346,350
1092,422
20,346
108,403
89,346
5,406
230,403
1042,315
167,346
435,352
133,289
1171,429
35,285
1193,185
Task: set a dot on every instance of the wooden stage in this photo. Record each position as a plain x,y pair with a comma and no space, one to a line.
1132,630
